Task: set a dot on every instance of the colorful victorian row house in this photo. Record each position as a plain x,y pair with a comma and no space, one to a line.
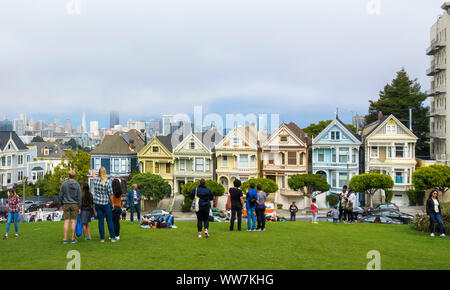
285,154
336,156
118,153
237,156
389,148
194,158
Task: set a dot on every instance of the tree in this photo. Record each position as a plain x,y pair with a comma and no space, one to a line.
37,139
29,189
268,185
369,183
434,176
79,162
216,188
310,182
151,185
315,129
396,99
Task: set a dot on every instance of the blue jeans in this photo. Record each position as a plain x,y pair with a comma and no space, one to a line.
335,221
15,217
293,217
102,212
251,218
435,217
138,211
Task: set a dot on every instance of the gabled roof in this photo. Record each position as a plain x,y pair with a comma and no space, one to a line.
293,130
55,150
298,132
248,133
167,141
5,136
367,130
356,138
371,128
121,143
208,139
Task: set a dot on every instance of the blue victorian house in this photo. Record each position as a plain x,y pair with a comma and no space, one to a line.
335,156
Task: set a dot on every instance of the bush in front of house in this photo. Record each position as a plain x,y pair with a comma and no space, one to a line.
332,200
422,223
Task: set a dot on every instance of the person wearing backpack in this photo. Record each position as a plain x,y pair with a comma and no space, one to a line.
205,196
250,205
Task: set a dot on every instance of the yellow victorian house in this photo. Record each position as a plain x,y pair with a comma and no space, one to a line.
157,158
237,156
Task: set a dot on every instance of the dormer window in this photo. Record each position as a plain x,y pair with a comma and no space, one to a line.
236,141
283,138
391,128
192,145
155,149
335,135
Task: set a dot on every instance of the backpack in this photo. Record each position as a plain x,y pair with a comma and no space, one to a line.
251,201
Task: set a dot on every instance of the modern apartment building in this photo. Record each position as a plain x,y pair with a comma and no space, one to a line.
440,145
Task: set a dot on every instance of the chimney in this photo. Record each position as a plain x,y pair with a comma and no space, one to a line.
380,115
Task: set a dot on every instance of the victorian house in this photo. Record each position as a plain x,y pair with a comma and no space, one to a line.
389,148
284,154
336,156
237,156
194,158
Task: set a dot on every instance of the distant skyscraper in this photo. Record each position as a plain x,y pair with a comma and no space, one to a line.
68,127
83,124
23,117
40,125
113,119
358,122
19,127
93,125
32,124
166,121
6,125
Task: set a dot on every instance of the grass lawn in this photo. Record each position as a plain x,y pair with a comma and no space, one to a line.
291,246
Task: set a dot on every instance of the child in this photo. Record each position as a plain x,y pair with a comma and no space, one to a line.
87,202
335,215
314,210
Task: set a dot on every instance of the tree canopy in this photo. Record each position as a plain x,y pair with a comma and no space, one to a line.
310,182
371,182
315,129
151,185
268,185
216,188
79,162
396,98
37,139
434,176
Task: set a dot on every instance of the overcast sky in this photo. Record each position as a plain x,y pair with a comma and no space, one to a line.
300,59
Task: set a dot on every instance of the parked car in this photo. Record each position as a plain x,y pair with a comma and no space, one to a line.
384,207
159,212
404,218
34,207
383,220
52,204
359,211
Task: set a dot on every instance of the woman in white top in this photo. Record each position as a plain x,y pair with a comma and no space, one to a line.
434,213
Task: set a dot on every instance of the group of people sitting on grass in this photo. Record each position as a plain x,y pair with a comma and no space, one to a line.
106,200
254,203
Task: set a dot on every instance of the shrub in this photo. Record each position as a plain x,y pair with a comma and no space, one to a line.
332,200
416,197
186,207
422,222
268,185
389,195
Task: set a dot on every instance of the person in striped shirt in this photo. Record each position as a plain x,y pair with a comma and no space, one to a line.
14,206
104,203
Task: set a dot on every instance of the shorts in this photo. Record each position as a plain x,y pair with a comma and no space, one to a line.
70,211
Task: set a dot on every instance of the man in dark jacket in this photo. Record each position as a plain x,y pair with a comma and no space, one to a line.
134,202
70,199
293,209
205,196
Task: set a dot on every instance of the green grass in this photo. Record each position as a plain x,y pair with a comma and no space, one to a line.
291,246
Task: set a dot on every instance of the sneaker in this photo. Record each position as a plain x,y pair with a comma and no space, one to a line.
5,237
102,241
443,235
109,238
432,234
114,240
74,241
199,236
264,230
206,235
117,238
248,230
258,230
65,242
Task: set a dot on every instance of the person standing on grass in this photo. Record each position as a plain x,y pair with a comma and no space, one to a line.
250,205
14,207
117,201
335,215
434,213
351,205
134,202
314,210
87,207
293,209
260,209
205,195
342,200
70,199
103,203
237,204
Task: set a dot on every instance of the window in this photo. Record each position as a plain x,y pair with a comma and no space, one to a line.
292,158
374,152
3,161
343,179
156,167
333,155
192,145
124,165
116,165
388,152
335,135
283,138
302,155
321,155
97,163
334,179
155,149
271,158
8,178
243,161
167,167
8,161
20,160
391,128
182,164
343,155
283,158
399,150
355,156
236,141
252,161
208,168
19,175
199,164
224,161
28,158
399,177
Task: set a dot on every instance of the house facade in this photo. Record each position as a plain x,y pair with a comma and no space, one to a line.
157,158
13,160
51,153
118,153
237,156
194,158
336,157
283,155
389,148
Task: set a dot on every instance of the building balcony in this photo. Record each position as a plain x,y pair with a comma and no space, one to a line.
437,112
435,47
435,69
438,135
437,91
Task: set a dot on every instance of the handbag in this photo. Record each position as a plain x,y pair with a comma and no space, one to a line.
79,227
195,204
